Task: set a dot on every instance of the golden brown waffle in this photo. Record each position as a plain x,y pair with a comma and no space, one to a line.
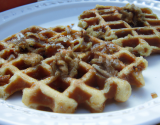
61,69
136,29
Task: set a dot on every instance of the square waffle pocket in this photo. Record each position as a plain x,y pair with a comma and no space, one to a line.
134,28
60,69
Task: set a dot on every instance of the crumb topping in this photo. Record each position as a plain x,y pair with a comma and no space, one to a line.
132,15
65,64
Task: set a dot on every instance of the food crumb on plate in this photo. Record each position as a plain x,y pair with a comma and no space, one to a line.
154,95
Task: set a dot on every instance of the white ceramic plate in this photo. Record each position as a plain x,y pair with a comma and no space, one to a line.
139,109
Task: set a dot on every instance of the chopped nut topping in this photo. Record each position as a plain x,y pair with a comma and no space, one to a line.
65,64
99,31
105,66
32,59
132,15
4,79
106,48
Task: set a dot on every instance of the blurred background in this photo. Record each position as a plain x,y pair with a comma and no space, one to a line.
8,4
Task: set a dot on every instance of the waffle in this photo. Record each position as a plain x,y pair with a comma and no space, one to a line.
59,69
136,29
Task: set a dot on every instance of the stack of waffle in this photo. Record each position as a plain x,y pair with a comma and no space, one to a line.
61,69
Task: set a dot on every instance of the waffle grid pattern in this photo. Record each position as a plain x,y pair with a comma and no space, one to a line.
108,23
56,64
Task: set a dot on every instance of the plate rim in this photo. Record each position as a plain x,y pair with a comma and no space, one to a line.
112,117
